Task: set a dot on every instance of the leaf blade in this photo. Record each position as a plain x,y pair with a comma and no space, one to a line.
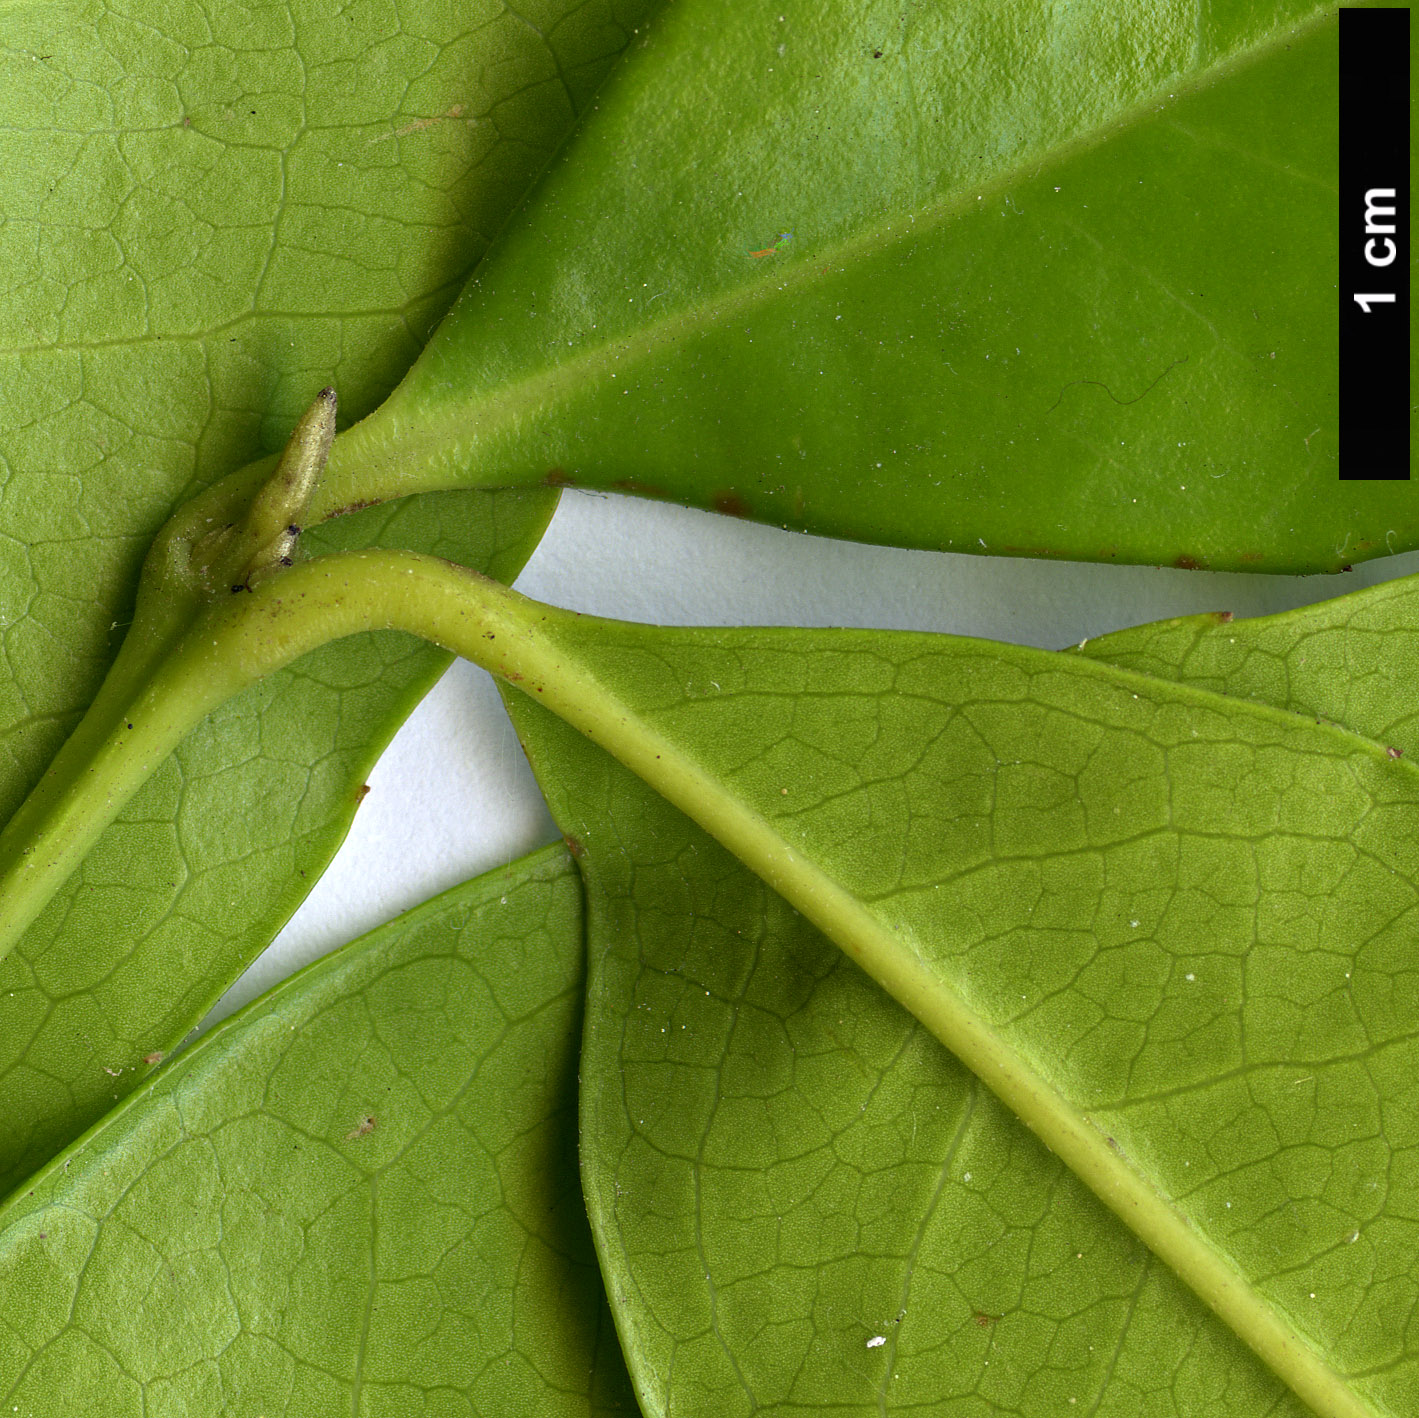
187,887
352,1195
174,223
997,325
1345,661
788,746
834,1178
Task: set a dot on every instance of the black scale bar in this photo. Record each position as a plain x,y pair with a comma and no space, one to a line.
1374,243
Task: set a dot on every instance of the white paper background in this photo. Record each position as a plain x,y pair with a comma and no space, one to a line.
453,797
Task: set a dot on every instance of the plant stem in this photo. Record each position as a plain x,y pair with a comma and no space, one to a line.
166,677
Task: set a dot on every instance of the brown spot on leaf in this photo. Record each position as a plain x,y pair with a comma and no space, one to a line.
729,503
574,846
362,1129
558,477
641,489
156,1057
361,793
1187,563
353,507
418,125
1224,617
1394,752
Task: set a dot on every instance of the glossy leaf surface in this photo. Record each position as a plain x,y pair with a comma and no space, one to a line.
1190,914
357,1196
1031,280
207,214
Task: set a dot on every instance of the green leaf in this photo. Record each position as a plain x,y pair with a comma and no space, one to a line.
357,1196
1054,282
783,1167
1351,661
208,861
207,214
1169,927
180,274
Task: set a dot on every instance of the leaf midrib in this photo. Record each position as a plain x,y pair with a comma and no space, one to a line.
574,691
